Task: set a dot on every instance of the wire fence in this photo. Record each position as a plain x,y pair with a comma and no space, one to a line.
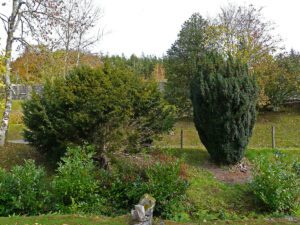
267,136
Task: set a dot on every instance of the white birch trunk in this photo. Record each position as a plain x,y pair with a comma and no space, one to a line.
12,24
78,50
8,93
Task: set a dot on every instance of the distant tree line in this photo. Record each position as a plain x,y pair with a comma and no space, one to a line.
144,66
37,64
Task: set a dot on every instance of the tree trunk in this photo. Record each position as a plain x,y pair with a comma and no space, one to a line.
8,90
78,49
6,114
12,24
78,58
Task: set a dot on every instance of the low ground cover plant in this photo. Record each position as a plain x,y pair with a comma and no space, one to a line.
296,167
275,184
75,187
24,190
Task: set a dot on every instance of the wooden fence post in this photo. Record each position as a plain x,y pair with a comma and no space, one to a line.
273,137
181,139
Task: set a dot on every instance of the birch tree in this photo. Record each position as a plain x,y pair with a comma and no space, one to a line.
89,17
27,18
74,30
245,33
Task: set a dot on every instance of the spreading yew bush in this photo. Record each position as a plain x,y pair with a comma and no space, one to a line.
109,107
224,98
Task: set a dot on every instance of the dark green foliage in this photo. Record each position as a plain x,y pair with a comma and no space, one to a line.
121,190
296,167
167,187
151,117
276,185
125,186
24,191
280,90
224,99
88,105
75,185
78,187
105,107
181,63
143,66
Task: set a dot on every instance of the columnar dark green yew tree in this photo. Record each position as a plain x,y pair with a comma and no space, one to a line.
224,99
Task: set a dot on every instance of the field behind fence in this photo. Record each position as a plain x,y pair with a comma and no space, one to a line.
272,129
286,124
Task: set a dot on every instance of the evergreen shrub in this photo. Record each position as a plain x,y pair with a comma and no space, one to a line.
108,107
224,98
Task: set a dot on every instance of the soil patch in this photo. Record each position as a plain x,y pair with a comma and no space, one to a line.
240,173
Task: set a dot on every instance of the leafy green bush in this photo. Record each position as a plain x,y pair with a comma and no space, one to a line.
120,191
167,187
24,190
296,167
75,185
151,117
105,107
276,185
224,98
125,186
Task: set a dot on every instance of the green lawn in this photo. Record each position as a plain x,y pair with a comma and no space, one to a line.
16,154
123,220
15,124
211,198
64,220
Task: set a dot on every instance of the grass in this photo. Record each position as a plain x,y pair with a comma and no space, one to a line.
15,123
64,219
287,124
16,154
291,154
123,220
212,199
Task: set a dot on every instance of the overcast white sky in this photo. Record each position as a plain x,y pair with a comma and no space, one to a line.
151,26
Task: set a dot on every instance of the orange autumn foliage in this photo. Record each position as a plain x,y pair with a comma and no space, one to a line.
34,66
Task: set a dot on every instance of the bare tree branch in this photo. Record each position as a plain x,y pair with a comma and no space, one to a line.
4,21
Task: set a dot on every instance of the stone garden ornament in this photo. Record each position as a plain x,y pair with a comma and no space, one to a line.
142,214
